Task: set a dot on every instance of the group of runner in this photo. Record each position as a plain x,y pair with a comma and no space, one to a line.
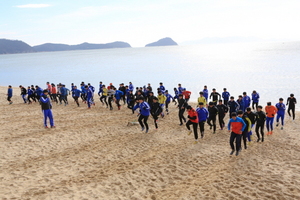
240,111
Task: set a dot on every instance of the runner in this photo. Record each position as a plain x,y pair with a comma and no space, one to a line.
255,99
46,109
247,128
222,111
213,112
291,102
270,112
155,111
202,117
260,123
181,105
9,94
225,96
280,114
144,113
214,95
193,120
236,126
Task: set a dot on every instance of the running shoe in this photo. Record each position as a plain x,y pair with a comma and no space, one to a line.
231,153
189,133
195,142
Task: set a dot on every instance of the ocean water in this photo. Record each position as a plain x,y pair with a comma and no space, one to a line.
272,69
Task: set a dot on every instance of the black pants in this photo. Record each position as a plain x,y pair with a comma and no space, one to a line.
110,99
30,97
244,135
181,117
76,100
143,118
167,106
103,98
155,117
195,126
254,104
221,120
261,127
83,97
9,98
201,125
213,119
118,103
54,97
237,138
293,111
124,99
225,102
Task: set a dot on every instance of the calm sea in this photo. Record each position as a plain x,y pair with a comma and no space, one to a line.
272,69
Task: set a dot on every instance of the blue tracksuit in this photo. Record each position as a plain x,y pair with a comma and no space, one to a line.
255,97
9,92
89,95
177,92
39,92
241,104
180,90
162,89
169,97
205,93
233,106
280,113
225,96
118,94
131,87
100,89
144,108
29,92
46,109
202,114
247,102
76,93
83,90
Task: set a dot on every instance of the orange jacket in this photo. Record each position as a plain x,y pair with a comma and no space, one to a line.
270,111
193,114
53,91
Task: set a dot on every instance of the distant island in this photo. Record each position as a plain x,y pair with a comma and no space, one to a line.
16,46
162,42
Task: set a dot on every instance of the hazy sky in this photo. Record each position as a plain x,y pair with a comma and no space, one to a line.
139,22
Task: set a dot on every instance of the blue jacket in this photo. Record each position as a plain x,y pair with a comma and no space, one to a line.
281,108
29,92
176,94
247,101
255,97
180,90
83,90
131,87
162,89
202,114
10,92
233,106
241,104
39,91
63,91
205,93
89,93
225,95
118,94
76,93
144,108
169,97
100,89
45,103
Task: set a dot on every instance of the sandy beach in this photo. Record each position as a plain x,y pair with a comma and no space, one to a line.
93,154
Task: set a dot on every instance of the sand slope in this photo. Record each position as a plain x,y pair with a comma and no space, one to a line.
93,154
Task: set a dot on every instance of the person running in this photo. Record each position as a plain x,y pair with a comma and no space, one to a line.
193,120
150,98
103,97
83,92
168,100
225,96
23,93
100,89
110,94
34,93
118,96
202,99
247,101
182,106
213,112
9,94
236,126
29,95
205,92
176,95
247,128
46,109
291,102
255,99
222,111
54,93
144,113
214,95
233,106
122,88
38,92
186,94
162,87
89,96
260,123
270,112
253,118
131,101
240,101
280,113
180,89
202,117
161,100
76,94
155,111
63,95
130,86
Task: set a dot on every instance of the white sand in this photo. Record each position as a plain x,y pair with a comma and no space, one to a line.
93,154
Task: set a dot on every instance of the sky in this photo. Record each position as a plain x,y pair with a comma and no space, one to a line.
140,22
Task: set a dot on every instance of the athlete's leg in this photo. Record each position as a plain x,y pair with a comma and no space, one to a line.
195,126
